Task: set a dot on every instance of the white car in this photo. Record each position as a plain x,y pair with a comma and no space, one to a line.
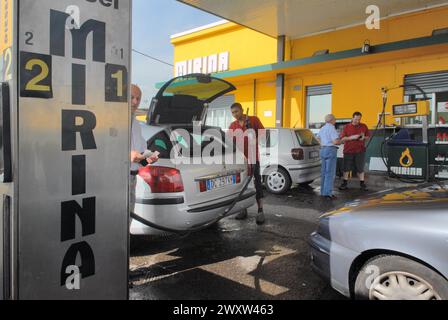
289,156
185,196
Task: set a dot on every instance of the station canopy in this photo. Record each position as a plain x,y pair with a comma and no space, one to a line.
298,18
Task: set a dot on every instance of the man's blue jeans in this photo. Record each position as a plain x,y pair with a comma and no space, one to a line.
328,155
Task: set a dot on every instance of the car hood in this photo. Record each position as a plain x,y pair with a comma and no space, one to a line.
184,100
430,195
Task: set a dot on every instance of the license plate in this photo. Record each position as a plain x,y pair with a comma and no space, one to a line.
314,154
218,183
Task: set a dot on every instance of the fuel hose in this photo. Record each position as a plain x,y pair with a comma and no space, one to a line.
384,142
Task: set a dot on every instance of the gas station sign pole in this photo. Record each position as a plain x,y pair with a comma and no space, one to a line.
65,220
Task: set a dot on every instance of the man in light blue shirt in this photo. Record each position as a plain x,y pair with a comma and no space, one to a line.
329,140
138,146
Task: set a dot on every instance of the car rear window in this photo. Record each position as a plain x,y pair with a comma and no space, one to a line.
200,87
269,139
306,138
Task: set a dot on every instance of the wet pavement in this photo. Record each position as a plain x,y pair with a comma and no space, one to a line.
238,260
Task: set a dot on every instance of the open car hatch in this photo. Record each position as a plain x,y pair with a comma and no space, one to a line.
184,100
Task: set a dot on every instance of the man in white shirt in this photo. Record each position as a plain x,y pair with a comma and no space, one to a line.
138,145
329,141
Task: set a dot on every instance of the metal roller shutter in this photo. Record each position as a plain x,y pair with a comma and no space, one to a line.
223,102
219,114
430,82
319,90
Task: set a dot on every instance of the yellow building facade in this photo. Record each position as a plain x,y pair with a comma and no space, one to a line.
330,64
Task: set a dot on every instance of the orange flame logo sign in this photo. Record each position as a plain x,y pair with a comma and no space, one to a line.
406,159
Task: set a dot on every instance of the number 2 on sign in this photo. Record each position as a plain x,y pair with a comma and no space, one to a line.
8,64
33,83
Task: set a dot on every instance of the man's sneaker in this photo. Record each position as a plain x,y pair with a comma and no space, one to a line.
364,187
242,215
344,186
260,218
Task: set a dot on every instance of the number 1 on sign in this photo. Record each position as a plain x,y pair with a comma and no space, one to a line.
119,77
116,83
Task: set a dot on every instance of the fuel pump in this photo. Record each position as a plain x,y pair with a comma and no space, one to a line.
65,125
404,157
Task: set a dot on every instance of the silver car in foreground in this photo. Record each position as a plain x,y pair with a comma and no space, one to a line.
289,156
392,246
185,195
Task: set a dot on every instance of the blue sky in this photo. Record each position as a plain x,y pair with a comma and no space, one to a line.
154,21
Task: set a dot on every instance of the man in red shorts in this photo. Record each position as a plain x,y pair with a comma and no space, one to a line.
354,137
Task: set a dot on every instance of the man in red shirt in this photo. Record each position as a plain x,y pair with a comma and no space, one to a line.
241,124
354,136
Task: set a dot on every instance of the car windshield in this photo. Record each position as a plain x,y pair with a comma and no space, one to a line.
306,138
202,87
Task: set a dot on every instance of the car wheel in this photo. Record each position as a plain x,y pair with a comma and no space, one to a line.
278,181
397,278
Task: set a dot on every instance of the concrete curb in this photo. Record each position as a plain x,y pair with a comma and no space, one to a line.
382,181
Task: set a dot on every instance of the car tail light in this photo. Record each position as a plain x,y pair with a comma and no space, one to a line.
202,186
298,154
162,179
238,178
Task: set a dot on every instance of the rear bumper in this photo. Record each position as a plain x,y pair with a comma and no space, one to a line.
161,201
182,217
222,205
302,174
320,255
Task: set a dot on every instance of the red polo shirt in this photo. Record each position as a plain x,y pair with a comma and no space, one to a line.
255,124
352,147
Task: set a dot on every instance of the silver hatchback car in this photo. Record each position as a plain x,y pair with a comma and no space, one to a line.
199,187
391,246
289,156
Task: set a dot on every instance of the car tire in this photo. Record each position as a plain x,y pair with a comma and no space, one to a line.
390,277
278,181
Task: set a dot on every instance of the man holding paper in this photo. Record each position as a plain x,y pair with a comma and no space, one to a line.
354,137
140,156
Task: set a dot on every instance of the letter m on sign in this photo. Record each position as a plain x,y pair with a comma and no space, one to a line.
58,22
